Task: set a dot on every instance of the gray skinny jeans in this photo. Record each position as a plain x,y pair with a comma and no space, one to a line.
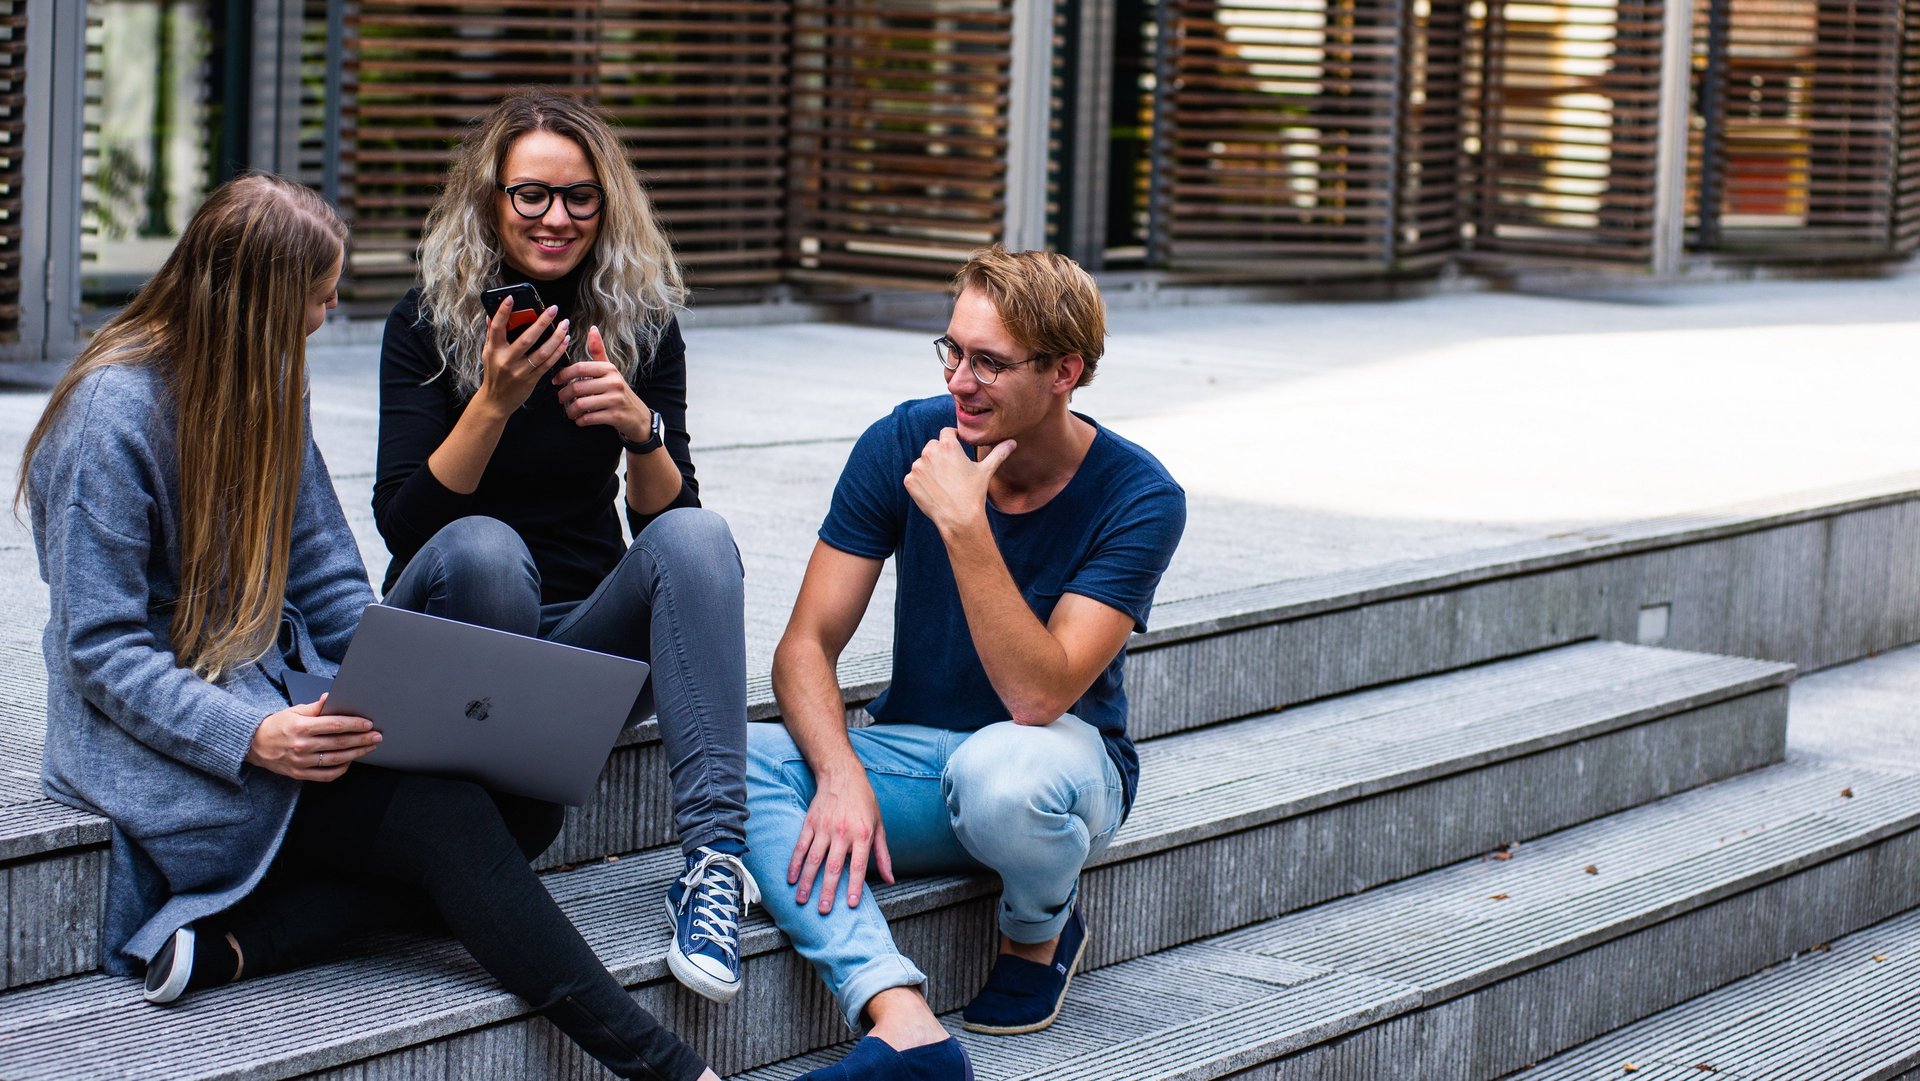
676,600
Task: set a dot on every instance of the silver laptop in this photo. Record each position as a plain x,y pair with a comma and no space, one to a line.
516,714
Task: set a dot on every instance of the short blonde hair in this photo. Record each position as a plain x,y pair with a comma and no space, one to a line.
1049,304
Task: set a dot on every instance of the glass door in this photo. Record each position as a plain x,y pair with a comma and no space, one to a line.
156,114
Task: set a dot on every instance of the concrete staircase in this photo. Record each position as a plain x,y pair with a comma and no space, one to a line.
1850,1008
1485,966
1432,820
1845,1008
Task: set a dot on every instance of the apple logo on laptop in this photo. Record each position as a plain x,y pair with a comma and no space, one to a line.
479,708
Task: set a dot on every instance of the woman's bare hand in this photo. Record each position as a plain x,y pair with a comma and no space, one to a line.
594,392
299,742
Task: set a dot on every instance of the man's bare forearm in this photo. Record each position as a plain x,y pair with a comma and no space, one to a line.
1027,666
807,689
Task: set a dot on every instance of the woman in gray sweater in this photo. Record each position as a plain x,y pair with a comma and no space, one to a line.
195,552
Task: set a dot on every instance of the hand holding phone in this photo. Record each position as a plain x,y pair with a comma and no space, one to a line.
527,304
523,341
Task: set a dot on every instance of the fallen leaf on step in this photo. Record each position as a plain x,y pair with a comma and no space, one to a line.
1820,948
1628,1067
1707,1067
1846,793
1879,956
1498,897
1500,855
1592,869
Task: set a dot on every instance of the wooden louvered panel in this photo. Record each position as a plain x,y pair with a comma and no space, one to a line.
695,89
1429,187
898,144
13,74
1852,98
1562,108
1906,191
408,95
1797,140
699,90
312,166
1278,141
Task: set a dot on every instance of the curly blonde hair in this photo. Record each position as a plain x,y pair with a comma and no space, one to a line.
631,286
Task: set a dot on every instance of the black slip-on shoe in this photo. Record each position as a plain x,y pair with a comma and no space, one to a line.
1022,996
171,968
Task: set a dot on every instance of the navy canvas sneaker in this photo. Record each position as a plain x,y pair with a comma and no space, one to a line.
705,907
873,1059
1023,996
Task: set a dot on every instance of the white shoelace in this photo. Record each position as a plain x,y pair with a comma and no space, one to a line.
718,906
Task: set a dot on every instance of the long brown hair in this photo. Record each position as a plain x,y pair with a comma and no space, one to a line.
225,322
631,285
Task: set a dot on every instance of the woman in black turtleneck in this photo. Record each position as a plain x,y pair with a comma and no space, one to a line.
498,487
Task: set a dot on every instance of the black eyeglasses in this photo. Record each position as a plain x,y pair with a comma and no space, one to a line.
530,198
986,366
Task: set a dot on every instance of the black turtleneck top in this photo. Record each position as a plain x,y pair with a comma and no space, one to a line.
553,481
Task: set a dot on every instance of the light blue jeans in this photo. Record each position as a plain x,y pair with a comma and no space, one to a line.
1032,804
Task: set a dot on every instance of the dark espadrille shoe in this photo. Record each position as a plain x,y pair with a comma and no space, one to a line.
874,1059
1023,996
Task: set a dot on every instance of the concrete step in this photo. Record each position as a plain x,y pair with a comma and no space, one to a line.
1813,584
52,857
1424,773
1849,1010
1484,967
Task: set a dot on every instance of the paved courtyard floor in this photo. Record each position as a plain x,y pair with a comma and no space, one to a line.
1312,438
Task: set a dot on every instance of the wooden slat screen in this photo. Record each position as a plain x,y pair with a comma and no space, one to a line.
311,169
1906,207
899,135
1796,142
1854,72
699,88
695,87
416,75
1562,117
1278,140
13,74
1429,200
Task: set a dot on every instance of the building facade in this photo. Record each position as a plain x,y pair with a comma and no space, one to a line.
830,148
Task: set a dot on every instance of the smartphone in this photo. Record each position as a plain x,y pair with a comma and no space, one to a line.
527,304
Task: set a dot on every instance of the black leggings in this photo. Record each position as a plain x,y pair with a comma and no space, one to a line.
383,850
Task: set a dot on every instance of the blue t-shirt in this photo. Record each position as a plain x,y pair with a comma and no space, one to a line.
1108,535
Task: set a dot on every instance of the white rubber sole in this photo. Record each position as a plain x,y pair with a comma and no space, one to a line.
178,973
692,976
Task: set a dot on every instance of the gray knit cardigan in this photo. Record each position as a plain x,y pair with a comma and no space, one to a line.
131,734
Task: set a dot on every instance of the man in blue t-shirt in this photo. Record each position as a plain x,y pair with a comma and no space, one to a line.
1028,542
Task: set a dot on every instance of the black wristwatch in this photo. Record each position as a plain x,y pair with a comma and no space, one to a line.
656,438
